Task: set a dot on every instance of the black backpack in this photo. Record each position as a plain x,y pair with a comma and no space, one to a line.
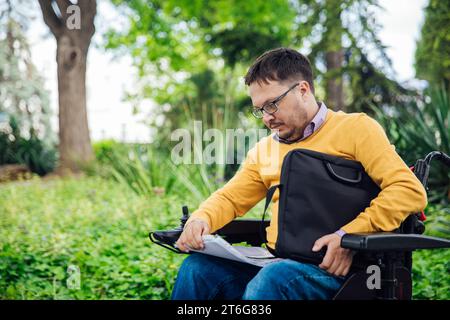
319,193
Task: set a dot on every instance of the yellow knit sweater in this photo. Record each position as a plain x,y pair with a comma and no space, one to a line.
353,136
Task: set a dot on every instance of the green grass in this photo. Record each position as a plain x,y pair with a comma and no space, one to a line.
101,227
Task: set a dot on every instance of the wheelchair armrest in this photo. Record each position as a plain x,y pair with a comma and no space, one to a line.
243,230
166,238
390,241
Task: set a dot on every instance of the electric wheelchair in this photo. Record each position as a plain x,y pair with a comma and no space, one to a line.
390,251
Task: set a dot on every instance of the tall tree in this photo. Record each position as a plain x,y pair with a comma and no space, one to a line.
334,55
73,28
433,47
348,56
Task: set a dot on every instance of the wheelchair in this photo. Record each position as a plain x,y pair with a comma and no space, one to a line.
390,252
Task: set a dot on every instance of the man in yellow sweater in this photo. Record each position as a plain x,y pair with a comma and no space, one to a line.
282,91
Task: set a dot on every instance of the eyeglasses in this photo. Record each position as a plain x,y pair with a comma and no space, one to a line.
272,106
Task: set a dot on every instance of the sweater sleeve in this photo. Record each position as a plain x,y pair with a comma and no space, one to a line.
401,192
234,199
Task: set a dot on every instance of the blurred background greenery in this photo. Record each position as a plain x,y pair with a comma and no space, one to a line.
94,209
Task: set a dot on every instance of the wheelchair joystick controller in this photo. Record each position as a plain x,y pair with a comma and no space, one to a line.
185,216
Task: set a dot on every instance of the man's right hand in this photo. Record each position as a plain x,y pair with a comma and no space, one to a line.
191,237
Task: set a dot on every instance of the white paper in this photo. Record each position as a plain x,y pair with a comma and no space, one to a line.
216,246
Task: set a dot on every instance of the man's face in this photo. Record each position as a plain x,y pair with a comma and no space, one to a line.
291,118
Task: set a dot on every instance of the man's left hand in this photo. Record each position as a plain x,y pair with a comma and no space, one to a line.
337,260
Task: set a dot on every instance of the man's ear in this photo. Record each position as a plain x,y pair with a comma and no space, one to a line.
304,89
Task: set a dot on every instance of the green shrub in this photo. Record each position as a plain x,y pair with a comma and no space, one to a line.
104,149
146,172
431,274
418,127
143,171
431,268
38,156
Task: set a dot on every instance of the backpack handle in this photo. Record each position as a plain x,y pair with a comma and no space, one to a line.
344,179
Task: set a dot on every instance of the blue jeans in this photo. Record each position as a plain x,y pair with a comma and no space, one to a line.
205,277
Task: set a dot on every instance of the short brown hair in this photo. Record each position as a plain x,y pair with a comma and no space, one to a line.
280,64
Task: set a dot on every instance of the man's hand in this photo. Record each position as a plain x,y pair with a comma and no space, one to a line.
337,260
191,237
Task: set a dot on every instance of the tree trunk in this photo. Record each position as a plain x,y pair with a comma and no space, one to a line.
334,55
72,48
74,141
334,84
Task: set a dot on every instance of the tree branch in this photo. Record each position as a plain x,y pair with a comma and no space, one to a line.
50,18
63,5
88,10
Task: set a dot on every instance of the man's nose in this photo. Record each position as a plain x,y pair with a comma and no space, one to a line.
268,117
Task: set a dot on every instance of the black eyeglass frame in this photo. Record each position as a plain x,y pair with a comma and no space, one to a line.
259,112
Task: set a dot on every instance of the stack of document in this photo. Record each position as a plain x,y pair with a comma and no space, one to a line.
215,245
